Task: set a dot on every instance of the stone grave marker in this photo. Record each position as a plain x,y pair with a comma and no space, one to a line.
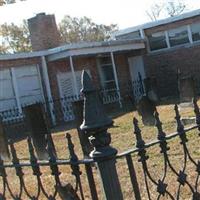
146,109
186,89
151,89
4,150
38,128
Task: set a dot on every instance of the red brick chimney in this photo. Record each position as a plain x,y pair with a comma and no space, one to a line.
43,32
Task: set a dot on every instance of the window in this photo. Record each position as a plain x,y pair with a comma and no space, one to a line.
157,41
106,72
195,29
178,36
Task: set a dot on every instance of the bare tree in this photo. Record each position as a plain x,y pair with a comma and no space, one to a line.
154,11
174,8
169,8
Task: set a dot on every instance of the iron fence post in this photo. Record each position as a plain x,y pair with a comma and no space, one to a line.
4,150
95,123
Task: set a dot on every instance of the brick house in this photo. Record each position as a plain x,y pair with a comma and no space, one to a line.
53,71
171,44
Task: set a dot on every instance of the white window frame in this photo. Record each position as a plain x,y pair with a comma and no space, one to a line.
175,29
197,41
103,82
189,34
165,33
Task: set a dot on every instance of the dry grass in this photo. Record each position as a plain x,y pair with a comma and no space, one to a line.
122,139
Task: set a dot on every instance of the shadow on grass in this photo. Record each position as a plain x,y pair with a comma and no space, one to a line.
113,110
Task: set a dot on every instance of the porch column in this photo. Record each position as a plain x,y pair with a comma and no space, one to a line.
116,78
142,33
48,89
73,76
16,91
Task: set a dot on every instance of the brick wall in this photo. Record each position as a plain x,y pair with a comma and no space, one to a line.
90,63
64,66
80,63
164,67
164,64
19,62
122,68
172,25
43,32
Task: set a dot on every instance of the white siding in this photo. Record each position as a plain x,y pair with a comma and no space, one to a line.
19,84
65,82
7,95
28,83
67,89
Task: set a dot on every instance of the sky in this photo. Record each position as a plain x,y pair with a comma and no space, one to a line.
125,13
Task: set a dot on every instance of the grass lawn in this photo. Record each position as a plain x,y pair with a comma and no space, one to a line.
122,139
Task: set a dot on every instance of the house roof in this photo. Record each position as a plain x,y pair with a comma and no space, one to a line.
77,48
94,48
158,23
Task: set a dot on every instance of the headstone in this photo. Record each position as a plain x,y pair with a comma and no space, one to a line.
188,120
67,192
4,151
146,109
37,124
186,89
151,89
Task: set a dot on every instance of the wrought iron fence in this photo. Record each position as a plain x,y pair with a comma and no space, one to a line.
158,185
155,188
138,88
59,111
58,114
143,180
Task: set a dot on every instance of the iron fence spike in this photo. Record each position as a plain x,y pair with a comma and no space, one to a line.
197,112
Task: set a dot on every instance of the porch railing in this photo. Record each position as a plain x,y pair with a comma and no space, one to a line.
110,96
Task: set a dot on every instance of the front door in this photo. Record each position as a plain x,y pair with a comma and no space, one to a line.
136,68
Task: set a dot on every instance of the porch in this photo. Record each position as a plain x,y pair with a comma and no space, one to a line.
54,78
115,67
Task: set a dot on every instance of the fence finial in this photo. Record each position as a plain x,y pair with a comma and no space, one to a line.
94,116
73,156
161,133
15,159
180,126
95,124
74,165
197,112
33,159
86,82
140,142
